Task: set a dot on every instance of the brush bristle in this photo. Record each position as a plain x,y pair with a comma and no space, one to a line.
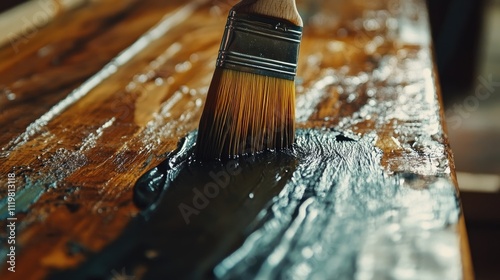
246,113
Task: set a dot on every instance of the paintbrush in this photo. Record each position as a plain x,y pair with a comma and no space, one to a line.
250,104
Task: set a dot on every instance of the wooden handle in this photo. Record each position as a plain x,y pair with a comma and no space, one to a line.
285,9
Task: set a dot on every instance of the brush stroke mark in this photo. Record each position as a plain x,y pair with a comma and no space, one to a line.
335,213
343,217
161,229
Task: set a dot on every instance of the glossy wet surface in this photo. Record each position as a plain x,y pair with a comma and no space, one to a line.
368,189
324,209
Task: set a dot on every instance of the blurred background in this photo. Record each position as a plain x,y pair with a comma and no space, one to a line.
466,36
466,39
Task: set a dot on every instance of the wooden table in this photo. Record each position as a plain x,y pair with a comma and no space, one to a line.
105,92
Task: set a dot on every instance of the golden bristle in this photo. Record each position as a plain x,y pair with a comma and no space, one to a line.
246,113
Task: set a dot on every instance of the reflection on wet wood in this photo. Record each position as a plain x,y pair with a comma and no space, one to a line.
77,147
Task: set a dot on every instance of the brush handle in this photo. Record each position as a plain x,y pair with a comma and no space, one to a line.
284,9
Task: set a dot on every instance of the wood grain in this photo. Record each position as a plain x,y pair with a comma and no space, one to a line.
29,16
359,73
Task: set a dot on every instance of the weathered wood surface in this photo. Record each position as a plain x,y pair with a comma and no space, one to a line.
79,128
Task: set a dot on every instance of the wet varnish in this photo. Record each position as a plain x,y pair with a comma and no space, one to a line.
368,191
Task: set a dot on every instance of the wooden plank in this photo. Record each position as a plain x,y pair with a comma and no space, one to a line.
65,54
19,22
367,106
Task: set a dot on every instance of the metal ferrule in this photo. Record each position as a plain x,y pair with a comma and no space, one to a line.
260,45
